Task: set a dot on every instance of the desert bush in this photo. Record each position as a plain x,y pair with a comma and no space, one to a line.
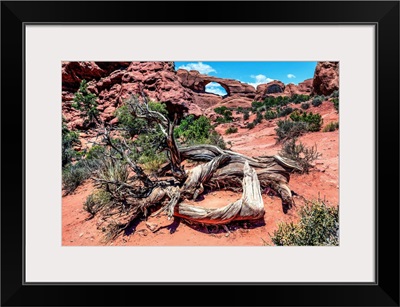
193,131
335,94
288,129
336,103
95,152
221,110
250,125
246,115
298,98
69,139
317,101
255,105
270,115
259,117
133,125
305,105
226,115
85,102
231,130
331,127
314,121
285,111
152,162
96,201
300,153
74,174
318,226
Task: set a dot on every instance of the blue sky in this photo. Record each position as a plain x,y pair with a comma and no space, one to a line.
253,73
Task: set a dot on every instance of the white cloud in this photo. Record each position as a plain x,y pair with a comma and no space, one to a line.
215,88
291,76
199,66
259,79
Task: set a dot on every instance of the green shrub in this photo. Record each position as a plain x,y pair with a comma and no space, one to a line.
226,114
256,104
85,102
335,94
95,152
259,117
317,101
298,152
153,162
113,170
193,131
74,174
288,129
285,111
318,226
270,115
133,125
250,125
305,105
96,201
69,139
331,127
231,130
298,98
314,121
221,110
336,103
246,115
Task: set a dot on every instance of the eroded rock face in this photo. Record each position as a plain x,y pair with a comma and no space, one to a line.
197,82
183,91
115,82
303,88
265,90
326,78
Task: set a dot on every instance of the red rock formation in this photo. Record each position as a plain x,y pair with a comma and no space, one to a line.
326,78
266,89
197,82
157,80
304,88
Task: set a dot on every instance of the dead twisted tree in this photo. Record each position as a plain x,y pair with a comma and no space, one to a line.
221,169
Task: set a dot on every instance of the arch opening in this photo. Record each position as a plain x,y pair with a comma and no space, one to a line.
216,88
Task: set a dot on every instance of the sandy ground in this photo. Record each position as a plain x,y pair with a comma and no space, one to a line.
322,182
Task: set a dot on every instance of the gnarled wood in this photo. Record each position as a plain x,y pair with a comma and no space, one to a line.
249,207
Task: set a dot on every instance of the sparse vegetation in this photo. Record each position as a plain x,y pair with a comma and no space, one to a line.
314,121
270,115
305,105
85,102
288,129
97,201
246,115
297,151
331,127
318,226
285,111
335,103
231,130
69,140
250,125
226,115
74,174
298,98
193,131
317,101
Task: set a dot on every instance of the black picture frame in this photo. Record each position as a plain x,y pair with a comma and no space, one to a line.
383,14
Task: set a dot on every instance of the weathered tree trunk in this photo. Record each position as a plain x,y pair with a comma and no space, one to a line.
249,207
221,169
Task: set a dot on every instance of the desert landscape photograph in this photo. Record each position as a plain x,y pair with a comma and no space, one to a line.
200,153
